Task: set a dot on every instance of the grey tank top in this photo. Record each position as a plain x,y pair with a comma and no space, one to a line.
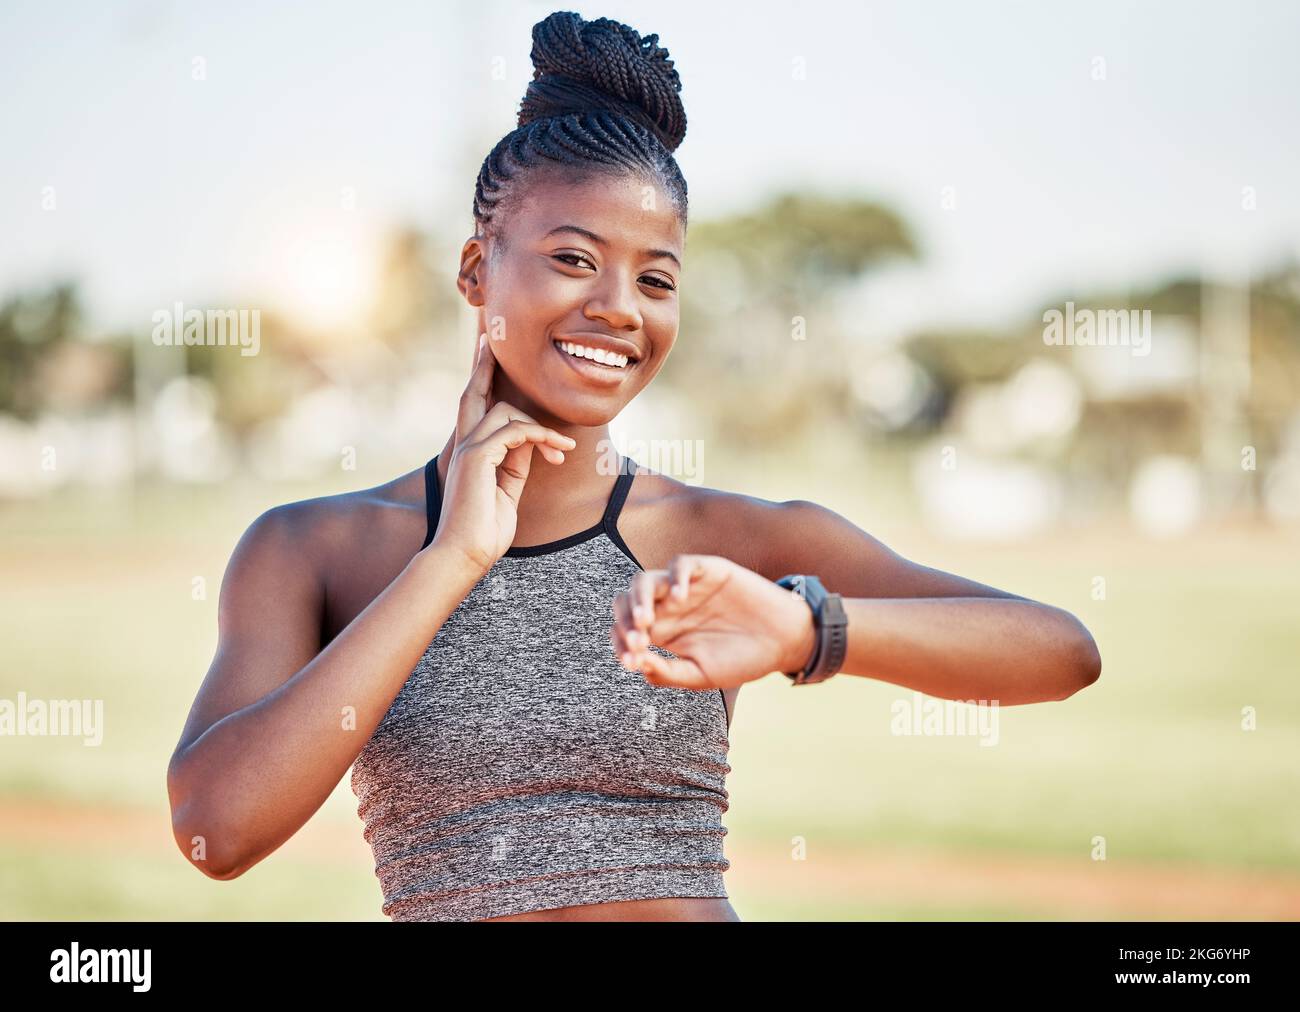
521,767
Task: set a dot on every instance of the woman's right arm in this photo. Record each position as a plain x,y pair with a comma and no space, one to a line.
277,722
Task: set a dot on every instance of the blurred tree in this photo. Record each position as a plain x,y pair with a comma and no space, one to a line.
252,389
32,326
757,310
417,307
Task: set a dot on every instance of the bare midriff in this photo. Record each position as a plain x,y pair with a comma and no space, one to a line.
678,908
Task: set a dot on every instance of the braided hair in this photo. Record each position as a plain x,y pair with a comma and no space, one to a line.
602,99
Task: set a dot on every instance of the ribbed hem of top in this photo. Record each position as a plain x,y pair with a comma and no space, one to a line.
552,893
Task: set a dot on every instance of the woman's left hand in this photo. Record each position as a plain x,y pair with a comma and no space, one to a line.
725,624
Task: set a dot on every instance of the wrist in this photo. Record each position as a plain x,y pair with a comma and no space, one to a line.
830,629
803,641
452,561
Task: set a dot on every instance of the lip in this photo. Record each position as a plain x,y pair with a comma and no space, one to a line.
603,375
604,342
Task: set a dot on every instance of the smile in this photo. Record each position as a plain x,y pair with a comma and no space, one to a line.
600,366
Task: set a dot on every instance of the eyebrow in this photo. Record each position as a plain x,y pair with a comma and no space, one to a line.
597,239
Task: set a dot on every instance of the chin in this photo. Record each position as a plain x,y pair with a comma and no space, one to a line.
586,416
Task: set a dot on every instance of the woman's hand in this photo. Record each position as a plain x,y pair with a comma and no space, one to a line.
726,625
490,460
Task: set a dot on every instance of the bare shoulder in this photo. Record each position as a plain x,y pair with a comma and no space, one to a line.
774,538
700,520
320,529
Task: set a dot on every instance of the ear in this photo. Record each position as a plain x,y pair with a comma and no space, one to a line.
473,262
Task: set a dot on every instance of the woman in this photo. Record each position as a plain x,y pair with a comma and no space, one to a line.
463,637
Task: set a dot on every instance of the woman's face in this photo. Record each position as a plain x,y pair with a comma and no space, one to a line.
595,263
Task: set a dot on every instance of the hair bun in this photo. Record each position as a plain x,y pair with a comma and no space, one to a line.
581,66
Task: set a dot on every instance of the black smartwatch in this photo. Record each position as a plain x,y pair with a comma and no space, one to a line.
831,625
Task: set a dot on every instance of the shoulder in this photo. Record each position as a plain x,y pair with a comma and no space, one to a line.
773,538
749,530
316,529
798,536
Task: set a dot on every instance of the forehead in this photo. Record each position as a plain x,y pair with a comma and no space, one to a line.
625,210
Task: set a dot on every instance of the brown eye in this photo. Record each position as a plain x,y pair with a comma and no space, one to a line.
658,282
566,257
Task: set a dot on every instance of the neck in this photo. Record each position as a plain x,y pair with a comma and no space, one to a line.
587,474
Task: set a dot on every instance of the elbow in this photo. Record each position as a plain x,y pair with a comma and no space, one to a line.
217,855
224,874
1084,664
203,840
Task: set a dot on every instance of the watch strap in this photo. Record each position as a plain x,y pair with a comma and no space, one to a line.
832,640
830,624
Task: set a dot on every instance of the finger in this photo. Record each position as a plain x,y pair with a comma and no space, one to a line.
490,353
643,597
502,413
514,469
517,458
514,433
510,451
478,391
683,569
618,631
672,672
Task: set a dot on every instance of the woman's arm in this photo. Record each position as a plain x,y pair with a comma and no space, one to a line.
805,537
1008,651
276,725
925,629
277,721
908,624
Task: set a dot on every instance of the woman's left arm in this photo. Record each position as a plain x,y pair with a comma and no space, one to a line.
1008,650
928,630
908,624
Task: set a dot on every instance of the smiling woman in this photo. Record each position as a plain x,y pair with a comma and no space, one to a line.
535,731
507,768
578,318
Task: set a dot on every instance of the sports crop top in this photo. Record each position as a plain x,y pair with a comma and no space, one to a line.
521,767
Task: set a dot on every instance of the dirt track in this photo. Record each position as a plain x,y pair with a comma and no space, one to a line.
1046,887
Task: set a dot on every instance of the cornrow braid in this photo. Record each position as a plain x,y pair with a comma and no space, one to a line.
602,99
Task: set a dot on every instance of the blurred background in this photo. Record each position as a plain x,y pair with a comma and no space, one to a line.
891,204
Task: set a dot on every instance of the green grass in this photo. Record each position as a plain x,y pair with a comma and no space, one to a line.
89,884
96,601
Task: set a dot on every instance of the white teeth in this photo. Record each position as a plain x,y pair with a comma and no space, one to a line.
595,354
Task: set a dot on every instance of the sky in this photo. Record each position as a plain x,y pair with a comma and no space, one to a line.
227,152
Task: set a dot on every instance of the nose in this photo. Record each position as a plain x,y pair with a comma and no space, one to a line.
615,302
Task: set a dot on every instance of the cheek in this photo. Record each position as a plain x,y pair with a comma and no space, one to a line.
661,327
530,302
